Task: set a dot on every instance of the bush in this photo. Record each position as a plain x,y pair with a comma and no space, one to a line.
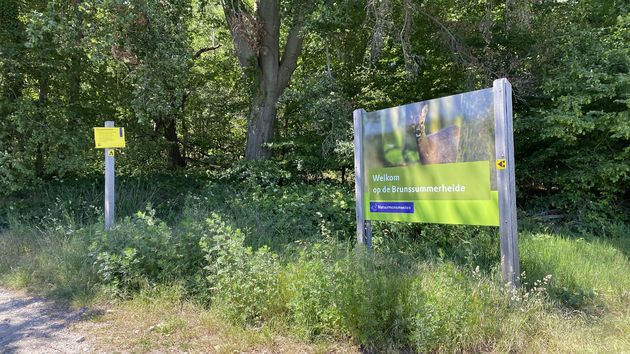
244,283
144,251
337,293
274,215
445,308
471,246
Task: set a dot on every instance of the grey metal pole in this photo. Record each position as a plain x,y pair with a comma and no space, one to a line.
364,228
506,182
110,205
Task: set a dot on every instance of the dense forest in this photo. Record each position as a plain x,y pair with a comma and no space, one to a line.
235,191
201,84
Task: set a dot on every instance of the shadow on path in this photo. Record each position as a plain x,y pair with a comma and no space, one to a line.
36,325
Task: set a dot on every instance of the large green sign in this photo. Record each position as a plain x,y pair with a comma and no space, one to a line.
432,161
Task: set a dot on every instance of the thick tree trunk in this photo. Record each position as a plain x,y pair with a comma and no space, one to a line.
262,119
175,158
273,72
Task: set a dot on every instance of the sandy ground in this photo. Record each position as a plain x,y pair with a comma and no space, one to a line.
35,325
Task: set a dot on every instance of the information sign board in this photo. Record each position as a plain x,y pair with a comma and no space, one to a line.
448,160
432,161
109,138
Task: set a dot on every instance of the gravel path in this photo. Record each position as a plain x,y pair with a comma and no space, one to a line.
36,325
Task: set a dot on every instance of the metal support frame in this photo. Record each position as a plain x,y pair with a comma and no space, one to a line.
506,182
110,203
364,228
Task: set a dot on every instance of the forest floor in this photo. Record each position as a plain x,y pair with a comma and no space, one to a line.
35,325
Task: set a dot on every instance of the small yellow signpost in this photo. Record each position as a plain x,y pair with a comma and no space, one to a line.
501,164
108,138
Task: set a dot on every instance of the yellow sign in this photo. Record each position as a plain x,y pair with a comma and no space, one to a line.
110,152
107,138
501,164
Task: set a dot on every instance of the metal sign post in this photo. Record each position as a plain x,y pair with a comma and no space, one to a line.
364,228
110,203
506,182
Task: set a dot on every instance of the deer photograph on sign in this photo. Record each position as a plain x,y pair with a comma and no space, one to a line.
432,161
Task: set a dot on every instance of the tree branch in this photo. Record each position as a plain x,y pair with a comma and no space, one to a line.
206,49
234,12
459,47
292,50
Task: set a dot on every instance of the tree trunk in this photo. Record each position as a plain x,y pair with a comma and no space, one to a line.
273,72
262,119
175,158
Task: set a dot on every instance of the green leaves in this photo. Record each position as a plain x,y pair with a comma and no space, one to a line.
582,130
244,283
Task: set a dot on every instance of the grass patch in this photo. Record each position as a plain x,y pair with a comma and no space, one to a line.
161,319
50,261
585,273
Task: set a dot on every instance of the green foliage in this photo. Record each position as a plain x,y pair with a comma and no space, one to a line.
336,293
142,250
67,66
422,287
273,209
316,122
79,201
574,145
470,246
440,309
244,283
134,253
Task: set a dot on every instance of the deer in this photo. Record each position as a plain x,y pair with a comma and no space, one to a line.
439,147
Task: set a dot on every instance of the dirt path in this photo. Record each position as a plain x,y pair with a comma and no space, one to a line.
35,325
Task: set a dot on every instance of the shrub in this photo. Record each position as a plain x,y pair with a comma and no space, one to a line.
244,283
444,308
335,292
277,216
135,252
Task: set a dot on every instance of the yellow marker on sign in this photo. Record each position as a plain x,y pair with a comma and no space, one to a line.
501,164
107,138
110,152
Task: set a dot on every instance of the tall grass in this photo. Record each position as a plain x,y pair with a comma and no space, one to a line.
52,261
79,202
584,273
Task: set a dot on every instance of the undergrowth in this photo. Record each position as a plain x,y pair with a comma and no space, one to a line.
262,252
